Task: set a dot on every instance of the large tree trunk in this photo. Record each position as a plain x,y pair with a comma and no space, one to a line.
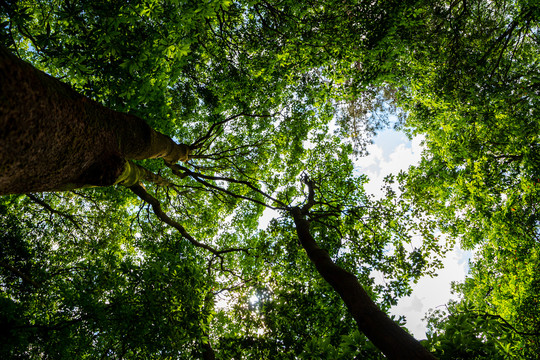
52,138
385,334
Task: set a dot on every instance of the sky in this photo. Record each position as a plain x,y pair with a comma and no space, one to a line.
391,152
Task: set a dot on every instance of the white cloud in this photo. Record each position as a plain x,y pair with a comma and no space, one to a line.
388,158
391,153
414,305
430,293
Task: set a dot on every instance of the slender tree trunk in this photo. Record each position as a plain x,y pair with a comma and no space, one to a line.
389,337
53,138
207,352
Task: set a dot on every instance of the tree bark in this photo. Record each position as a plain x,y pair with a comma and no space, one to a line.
385,334
53,138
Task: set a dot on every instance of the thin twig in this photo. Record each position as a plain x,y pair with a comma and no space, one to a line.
182,171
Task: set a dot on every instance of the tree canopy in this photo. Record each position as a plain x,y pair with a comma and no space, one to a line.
271,101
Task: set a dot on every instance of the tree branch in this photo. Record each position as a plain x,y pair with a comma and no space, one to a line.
498,317
311,193
134,173
200,141
20,274
158,211
183,172
52,210
388,336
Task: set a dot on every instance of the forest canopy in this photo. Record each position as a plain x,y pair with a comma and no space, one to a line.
181,124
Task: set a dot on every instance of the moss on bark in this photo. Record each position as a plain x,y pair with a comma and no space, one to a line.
52,138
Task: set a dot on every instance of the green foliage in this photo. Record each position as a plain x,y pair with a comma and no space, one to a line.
474,96
256,86
471,89
469,333
251,85
96,290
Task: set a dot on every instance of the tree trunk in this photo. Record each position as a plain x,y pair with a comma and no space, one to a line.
385,334
52,138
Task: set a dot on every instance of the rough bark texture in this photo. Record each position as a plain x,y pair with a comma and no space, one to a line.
52,138
390,338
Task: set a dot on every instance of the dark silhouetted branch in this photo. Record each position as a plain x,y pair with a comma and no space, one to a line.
158,211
